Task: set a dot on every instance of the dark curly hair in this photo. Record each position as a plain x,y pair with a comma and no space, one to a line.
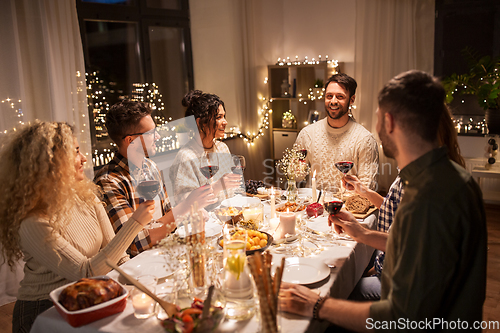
123,117
202,106
345,81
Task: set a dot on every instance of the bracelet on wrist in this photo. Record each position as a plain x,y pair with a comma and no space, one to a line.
317,306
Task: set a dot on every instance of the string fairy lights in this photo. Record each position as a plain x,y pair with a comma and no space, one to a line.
17,114
264,111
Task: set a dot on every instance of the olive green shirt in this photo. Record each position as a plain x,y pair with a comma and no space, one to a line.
435,263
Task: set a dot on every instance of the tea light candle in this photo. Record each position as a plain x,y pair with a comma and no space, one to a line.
287,224
313,185
143,304
273,204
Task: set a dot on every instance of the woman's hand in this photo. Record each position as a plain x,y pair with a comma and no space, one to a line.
144,213
297,299
228,181
203,195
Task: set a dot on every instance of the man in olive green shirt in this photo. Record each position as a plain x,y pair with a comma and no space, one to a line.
434,275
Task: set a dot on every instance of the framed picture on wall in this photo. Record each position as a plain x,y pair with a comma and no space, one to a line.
314,116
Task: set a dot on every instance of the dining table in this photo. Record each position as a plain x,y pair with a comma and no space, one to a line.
340,262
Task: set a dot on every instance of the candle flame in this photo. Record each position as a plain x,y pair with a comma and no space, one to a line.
288,210
314,174
272,190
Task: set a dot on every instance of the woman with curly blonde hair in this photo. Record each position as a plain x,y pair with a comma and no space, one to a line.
50,216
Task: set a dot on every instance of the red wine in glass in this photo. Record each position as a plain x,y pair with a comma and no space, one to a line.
148,189
237,169
209,170
344,166
333,207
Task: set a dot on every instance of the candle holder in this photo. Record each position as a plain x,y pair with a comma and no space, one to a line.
144,306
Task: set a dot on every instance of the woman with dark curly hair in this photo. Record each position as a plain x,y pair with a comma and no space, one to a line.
210,115
51,217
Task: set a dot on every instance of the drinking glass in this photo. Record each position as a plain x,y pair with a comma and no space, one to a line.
344,164
332,206
239,165
209,165
149,185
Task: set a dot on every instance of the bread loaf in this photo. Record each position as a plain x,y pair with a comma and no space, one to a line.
357,204
89,292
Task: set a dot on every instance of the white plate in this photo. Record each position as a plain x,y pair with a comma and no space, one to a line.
305,270
211,229
150,262
320,224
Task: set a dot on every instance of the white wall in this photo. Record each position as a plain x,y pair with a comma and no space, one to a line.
274,28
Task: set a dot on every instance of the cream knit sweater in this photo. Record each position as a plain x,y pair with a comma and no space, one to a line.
80,252
323,144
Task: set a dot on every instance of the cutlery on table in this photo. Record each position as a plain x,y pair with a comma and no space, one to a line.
169,308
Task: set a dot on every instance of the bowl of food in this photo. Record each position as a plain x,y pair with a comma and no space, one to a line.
89,299
191,319
229,214
292,207
257,241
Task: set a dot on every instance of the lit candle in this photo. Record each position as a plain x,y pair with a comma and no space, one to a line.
273,204
287,224
143,304
313,185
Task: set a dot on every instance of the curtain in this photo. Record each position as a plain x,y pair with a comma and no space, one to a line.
227,57
42,76
392,36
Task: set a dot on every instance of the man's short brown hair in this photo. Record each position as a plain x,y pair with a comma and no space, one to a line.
123,117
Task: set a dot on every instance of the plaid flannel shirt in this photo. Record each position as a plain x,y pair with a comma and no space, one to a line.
122,200
386,215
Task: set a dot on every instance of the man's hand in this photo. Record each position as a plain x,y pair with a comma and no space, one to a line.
297,299
344,221
352,183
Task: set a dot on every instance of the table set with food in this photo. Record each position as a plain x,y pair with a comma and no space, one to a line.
293,243
223,274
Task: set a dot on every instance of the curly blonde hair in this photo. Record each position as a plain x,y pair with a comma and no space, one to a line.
37,174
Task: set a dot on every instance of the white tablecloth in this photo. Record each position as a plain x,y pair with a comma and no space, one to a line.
349,268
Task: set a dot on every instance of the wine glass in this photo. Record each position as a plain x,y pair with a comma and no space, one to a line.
149,183
209,165
239,165
304,154
344,164
332,206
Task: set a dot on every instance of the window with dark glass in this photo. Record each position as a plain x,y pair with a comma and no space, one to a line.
137,50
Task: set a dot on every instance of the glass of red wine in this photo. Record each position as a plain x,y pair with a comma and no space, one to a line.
209,165
344,164
149,183
332,205
239,164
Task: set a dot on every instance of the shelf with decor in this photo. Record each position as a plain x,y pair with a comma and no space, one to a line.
296,99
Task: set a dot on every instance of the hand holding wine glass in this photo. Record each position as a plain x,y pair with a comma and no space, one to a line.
331,204
149,182
344,164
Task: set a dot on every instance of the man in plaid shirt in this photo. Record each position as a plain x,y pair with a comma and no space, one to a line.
127,121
